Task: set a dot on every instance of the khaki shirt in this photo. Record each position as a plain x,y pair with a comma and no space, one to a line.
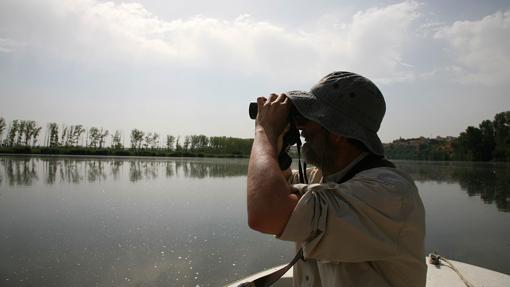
368,231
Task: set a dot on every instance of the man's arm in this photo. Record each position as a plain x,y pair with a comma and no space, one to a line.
270,201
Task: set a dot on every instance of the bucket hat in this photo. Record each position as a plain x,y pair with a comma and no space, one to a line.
346,104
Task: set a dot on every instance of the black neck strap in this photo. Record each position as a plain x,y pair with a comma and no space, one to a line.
368,162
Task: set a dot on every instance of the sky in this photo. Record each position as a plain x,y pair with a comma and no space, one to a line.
193,67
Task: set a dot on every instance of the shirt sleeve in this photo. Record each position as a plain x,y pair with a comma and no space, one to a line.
359,220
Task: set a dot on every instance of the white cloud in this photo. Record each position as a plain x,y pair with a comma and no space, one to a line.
378,38
9,45
123,66
95,32
480,49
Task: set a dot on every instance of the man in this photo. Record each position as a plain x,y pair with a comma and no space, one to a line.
361,221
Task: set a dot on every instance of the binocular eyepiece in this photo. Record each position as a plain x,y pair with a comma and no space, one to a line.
253,110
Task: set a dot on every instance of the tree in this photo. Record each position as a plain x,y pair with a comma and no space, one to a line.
53,128
63,135
77,131
147,141
187,142
198,142
20,132
155,141
488,141
203,141
102,137
193,142
11,134
178,146
94,137
170,140
216,143
69,137
73,135
29,132
472,140
35,134
117,140
502,136
136,138
2,129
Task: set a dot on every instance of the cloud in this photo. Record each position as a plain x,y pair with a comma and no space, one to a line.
9,45
96,33
378,37
480,49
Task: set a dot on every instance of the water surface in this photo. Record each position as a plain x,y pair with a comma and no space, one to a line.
82,221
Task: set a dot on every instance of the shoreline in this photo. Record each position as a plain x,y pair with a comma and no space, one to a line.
106,152
155,154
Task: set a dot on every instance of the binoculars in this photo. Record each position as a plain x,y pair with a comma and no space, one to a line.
290,138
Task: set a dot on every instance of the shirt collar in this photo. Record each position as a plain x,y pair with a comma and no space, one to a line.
337,176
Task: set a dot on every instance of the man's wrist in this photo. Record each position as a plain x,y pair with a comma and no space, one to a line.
266,138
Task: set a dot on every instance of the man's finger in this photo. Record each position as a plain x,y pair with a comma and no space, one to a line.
281,98
285,100
273,97
260,102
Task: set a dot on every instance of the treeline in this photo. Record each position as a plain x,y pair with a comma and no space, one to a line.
23,136
490,141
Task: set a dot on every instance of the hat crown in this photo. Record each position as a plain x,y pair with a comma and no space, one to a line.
353,95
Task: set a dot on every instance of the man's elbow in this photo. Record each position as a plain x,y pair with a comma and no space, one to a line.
265,224
254,223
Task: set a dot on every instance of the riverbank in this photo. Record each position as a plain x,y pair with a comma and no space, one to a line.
114,152
87,151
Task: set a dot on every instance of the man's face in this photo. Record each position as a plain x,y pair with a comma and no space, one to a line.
317,147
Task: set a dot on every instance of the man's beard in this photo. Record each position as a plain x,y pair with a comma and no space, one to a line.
317,151
311,155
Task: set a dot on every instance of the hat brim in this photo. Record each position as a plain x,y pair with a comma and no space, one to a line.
310,107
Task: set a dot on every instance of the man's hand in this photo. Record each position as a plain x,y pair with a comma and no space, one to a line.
272,118
270,200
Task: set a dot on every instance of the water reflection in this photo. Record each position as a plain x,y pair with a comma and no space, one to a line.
94,169
21,171
116,164
25,170
82,221
490,181
491,185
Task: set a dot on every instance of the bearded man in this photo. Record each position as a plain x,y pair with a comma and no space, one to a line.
359,221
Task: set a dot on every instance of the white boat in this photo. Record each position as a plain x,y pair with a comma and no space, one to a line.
437,276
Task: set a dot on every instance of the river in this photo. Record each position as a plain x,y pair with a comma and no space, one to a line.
86,221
